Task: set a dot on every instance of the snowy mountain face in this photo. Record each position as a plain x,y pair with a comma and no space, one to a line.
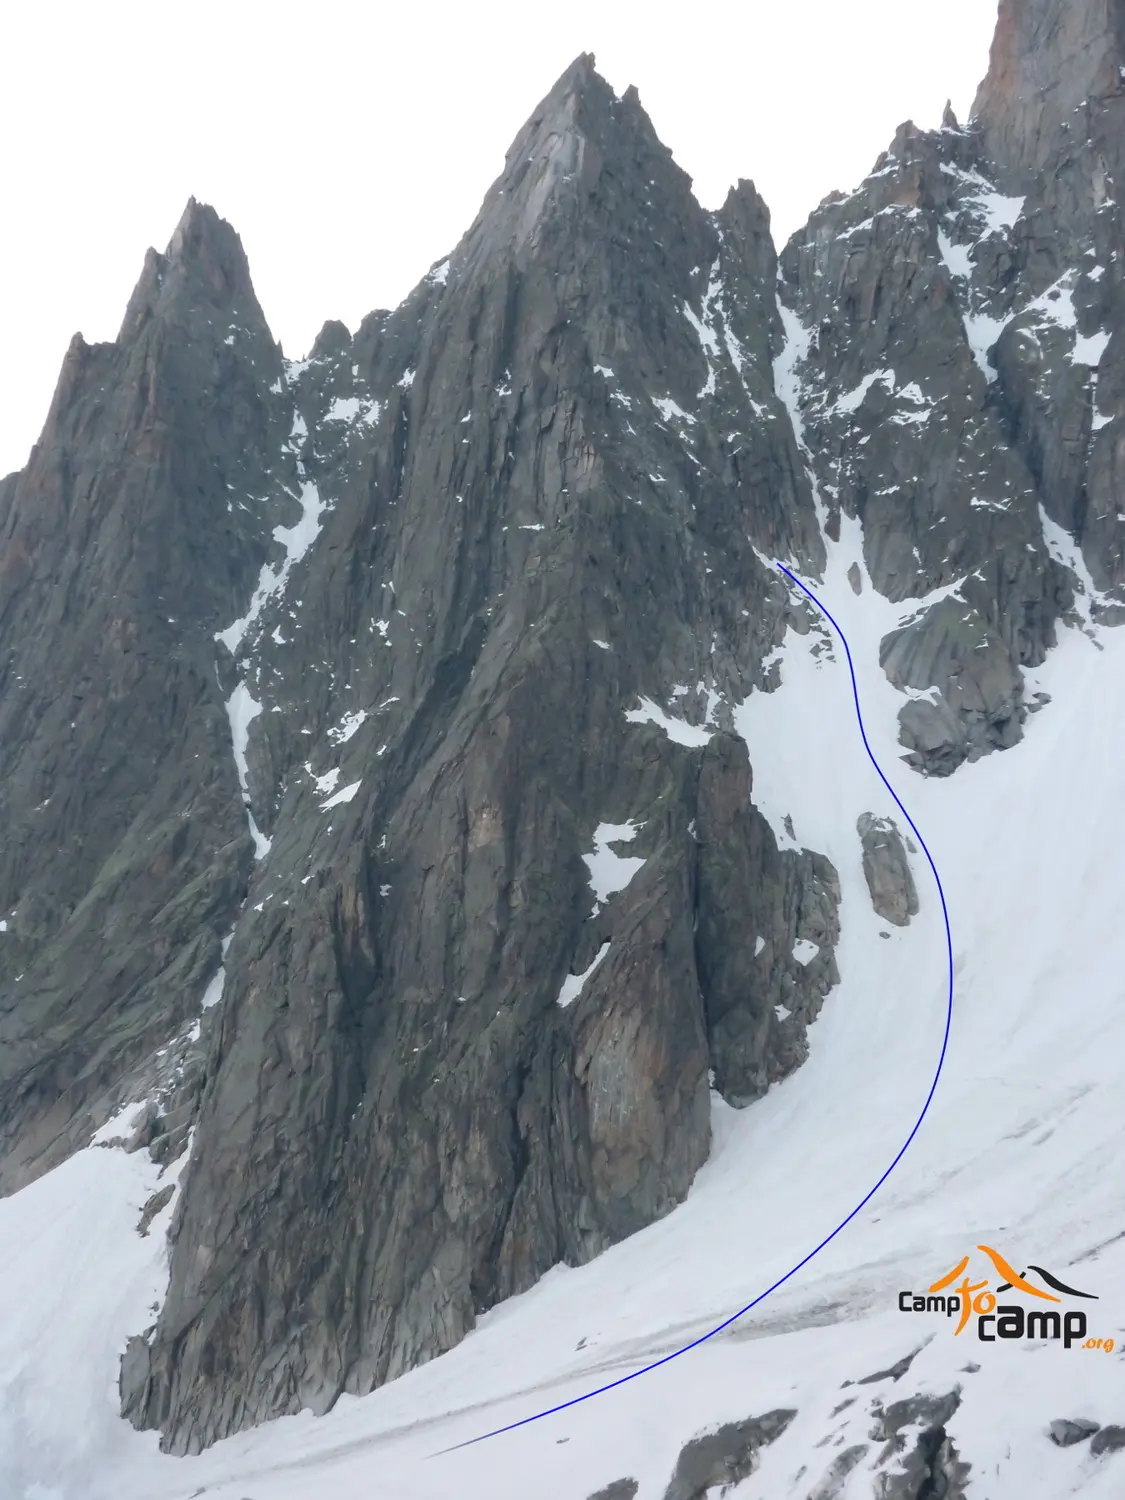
435,824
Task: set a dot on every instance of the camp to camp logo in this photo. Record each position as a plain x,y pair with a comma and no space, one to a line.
1011,1319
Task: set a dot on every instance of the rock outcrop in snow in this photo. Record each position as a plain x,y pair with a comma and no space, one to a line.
887,869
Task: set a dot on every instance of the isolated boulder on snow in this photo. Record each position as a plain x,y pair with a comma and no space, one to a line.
1066,1431
893,893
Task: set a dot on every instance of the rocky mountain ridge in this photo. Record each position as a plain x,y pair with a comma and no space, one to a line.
374,803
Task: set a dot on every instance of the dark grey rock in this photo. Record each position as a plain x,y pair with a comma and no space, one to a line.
929,1466
723,1458
895,1371
126,542
620,1489
1049,62
134,1382
158,1201
754,904
1065,1432
1062,145
979,705
887,870
431,1129
939,482
1108,1440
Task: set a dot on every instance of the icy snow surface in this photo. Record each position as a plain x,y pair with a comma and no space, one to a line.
668,408
996,213
999,211
296,540
786,381
325,783
804,951
345,794
981,329
352,409
242,710
78,1280
705,331
214,991
611,872
1089,348
1021,1150
852,400
573,983
676,729
955,256
348,725
343,409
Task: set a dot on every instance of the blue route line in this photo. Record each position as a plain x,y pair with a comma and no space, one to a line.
761,1297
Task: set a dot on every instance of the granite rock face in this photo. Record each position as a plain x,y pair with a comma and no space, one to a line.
512,903
721,1459
887,870
123,544
374,809
919,1457
909,441
1052,68
955,361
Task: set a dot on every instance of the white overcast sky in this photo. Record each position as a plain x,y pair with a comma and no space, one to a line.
350,143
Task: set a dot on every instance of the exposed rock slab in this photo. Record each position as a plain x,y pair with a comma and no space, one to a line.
620,1489
1066,1431
721,1459
919,1458
887,870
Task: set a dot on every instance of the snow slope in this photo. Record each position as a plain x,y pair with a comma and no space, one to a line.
76,1279
1020,1150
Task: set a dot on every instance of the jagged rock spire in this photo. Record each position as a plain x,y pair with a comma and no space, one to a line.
569,435
204,269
